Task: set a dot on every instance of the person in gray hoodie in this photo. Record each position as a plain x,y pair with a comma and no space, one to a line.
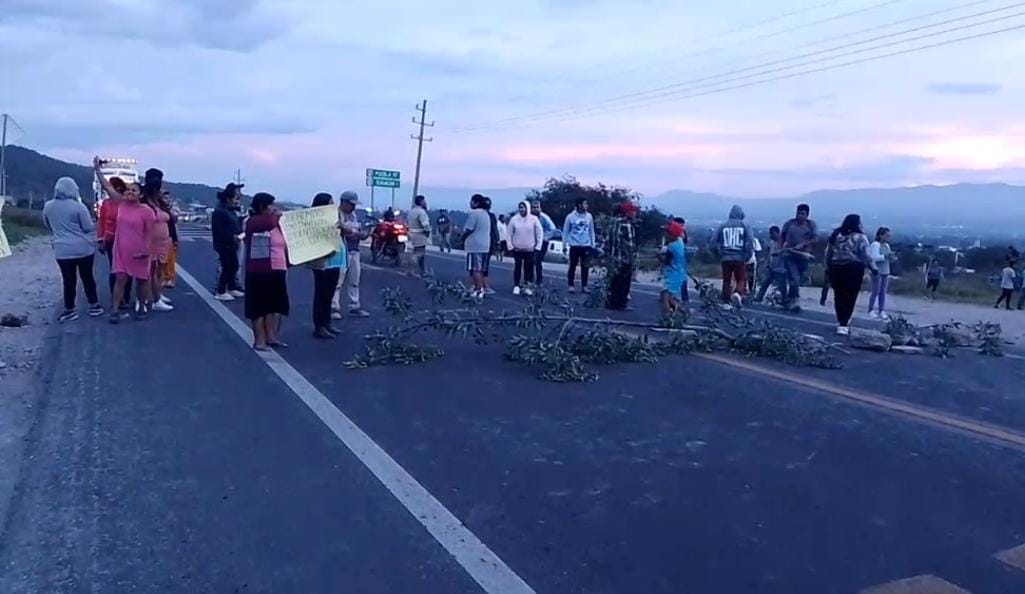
735,245
74,246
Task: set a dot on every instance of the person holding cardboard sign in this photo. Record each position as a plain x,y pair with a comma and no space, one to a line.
326,273
266,273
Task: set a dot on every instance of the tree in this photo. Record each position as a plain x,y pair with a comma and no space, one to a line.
559,196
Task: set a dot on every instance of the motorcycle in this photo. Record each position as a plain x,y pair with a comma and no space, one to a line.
388,240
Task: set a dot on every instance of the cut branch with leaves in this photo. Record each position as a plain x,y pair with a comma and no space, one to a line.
549,335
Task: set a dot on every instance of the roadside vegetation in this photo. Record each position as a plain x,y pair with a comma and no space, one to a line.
21,224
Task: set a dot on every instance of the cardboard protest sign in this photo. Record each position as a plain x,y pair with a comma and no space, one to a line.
310,233
5,248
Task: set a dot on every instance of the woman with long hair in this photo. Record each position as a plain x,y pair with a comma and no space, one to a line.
847,256
106,223
881,255
171,266
160,249
266,273
325,281
133,236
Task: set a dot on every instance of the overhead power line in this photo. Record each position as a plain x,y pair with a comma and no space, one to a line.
643,98
713,50
758,24
835,38
801,73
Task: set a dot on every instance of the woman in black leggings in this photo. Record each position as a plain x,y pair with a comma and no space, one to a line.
847,257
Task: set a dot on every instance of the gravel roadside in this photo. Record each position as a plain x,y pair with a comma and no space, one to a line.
29,287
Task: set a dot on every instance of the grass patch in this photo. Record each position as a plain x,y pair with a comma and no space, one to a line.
971,288
21,224
18,233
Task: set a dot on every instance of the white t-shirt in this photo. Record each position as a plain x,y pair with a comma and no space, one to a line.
754,252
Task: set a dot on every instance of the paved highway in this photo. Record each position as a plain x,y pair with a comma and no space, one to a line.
169,457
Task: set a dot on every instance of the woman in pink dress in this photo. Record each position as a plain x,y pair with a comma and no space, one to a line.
132,240
160,250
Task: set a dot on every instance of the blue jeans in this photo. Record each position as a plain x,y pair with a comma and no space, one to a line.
797,267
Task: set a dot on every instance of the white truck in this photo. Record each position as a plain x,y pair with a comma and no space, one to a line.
122,168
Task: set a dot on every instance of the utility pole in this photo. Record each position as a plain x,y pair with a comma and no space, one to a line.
238,177
422,108
3,154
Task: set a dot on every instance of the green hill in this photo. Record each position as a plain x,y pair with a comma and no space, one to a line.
31,175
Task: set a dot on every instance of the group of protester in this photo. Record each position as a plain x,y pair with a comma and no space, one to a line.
1012,280
526,236
258,235
848,255
136,231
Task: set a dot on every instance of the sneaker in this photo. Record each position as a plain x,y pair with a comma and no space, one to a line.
336,315
572,289
115,318
874,315
68,316
236,293
528,291
162,306
516,290
478,295
489,291
737,301
359,312
884,316
141,315
224,297
843,331
95,311
165,300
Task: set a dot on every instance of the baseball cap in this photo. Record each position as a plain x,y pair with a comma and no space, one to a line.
232,188
349,196
674,229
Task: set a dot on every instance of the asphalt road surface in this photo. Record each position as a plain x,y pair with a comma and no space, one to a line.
168,456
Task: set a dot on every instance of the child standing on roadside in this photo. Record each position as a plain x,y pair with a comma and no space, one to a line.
674,267
881,254
933,276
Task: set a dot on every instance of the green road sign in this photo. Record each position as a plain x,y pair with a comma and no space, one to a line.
382,178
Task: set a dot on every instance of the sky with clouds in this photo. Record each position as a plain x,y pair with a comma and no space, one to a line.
303,95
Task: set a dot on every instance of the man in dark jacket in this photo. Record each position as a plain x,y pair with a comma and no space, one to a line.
735,245
226,227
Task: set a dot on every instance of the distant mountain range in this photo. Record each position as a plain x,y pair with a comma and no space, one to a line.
982,208
31,175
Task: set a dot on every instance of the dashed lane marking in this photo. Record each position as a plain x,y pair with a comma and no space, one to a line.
920,584
479,561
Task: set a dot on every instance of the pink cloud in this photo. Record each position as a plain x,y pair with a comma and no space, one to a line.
591,152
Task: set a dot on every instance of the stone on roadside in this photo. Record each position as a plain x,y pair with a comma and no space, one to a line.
870,340
13,321
908,350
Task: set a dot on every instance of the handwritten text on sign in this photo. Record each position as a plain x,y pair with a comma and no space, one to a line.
310,233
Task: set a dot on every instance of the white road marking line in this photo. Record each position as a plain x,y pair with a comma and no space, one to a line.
483,565
920,584
1014,557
